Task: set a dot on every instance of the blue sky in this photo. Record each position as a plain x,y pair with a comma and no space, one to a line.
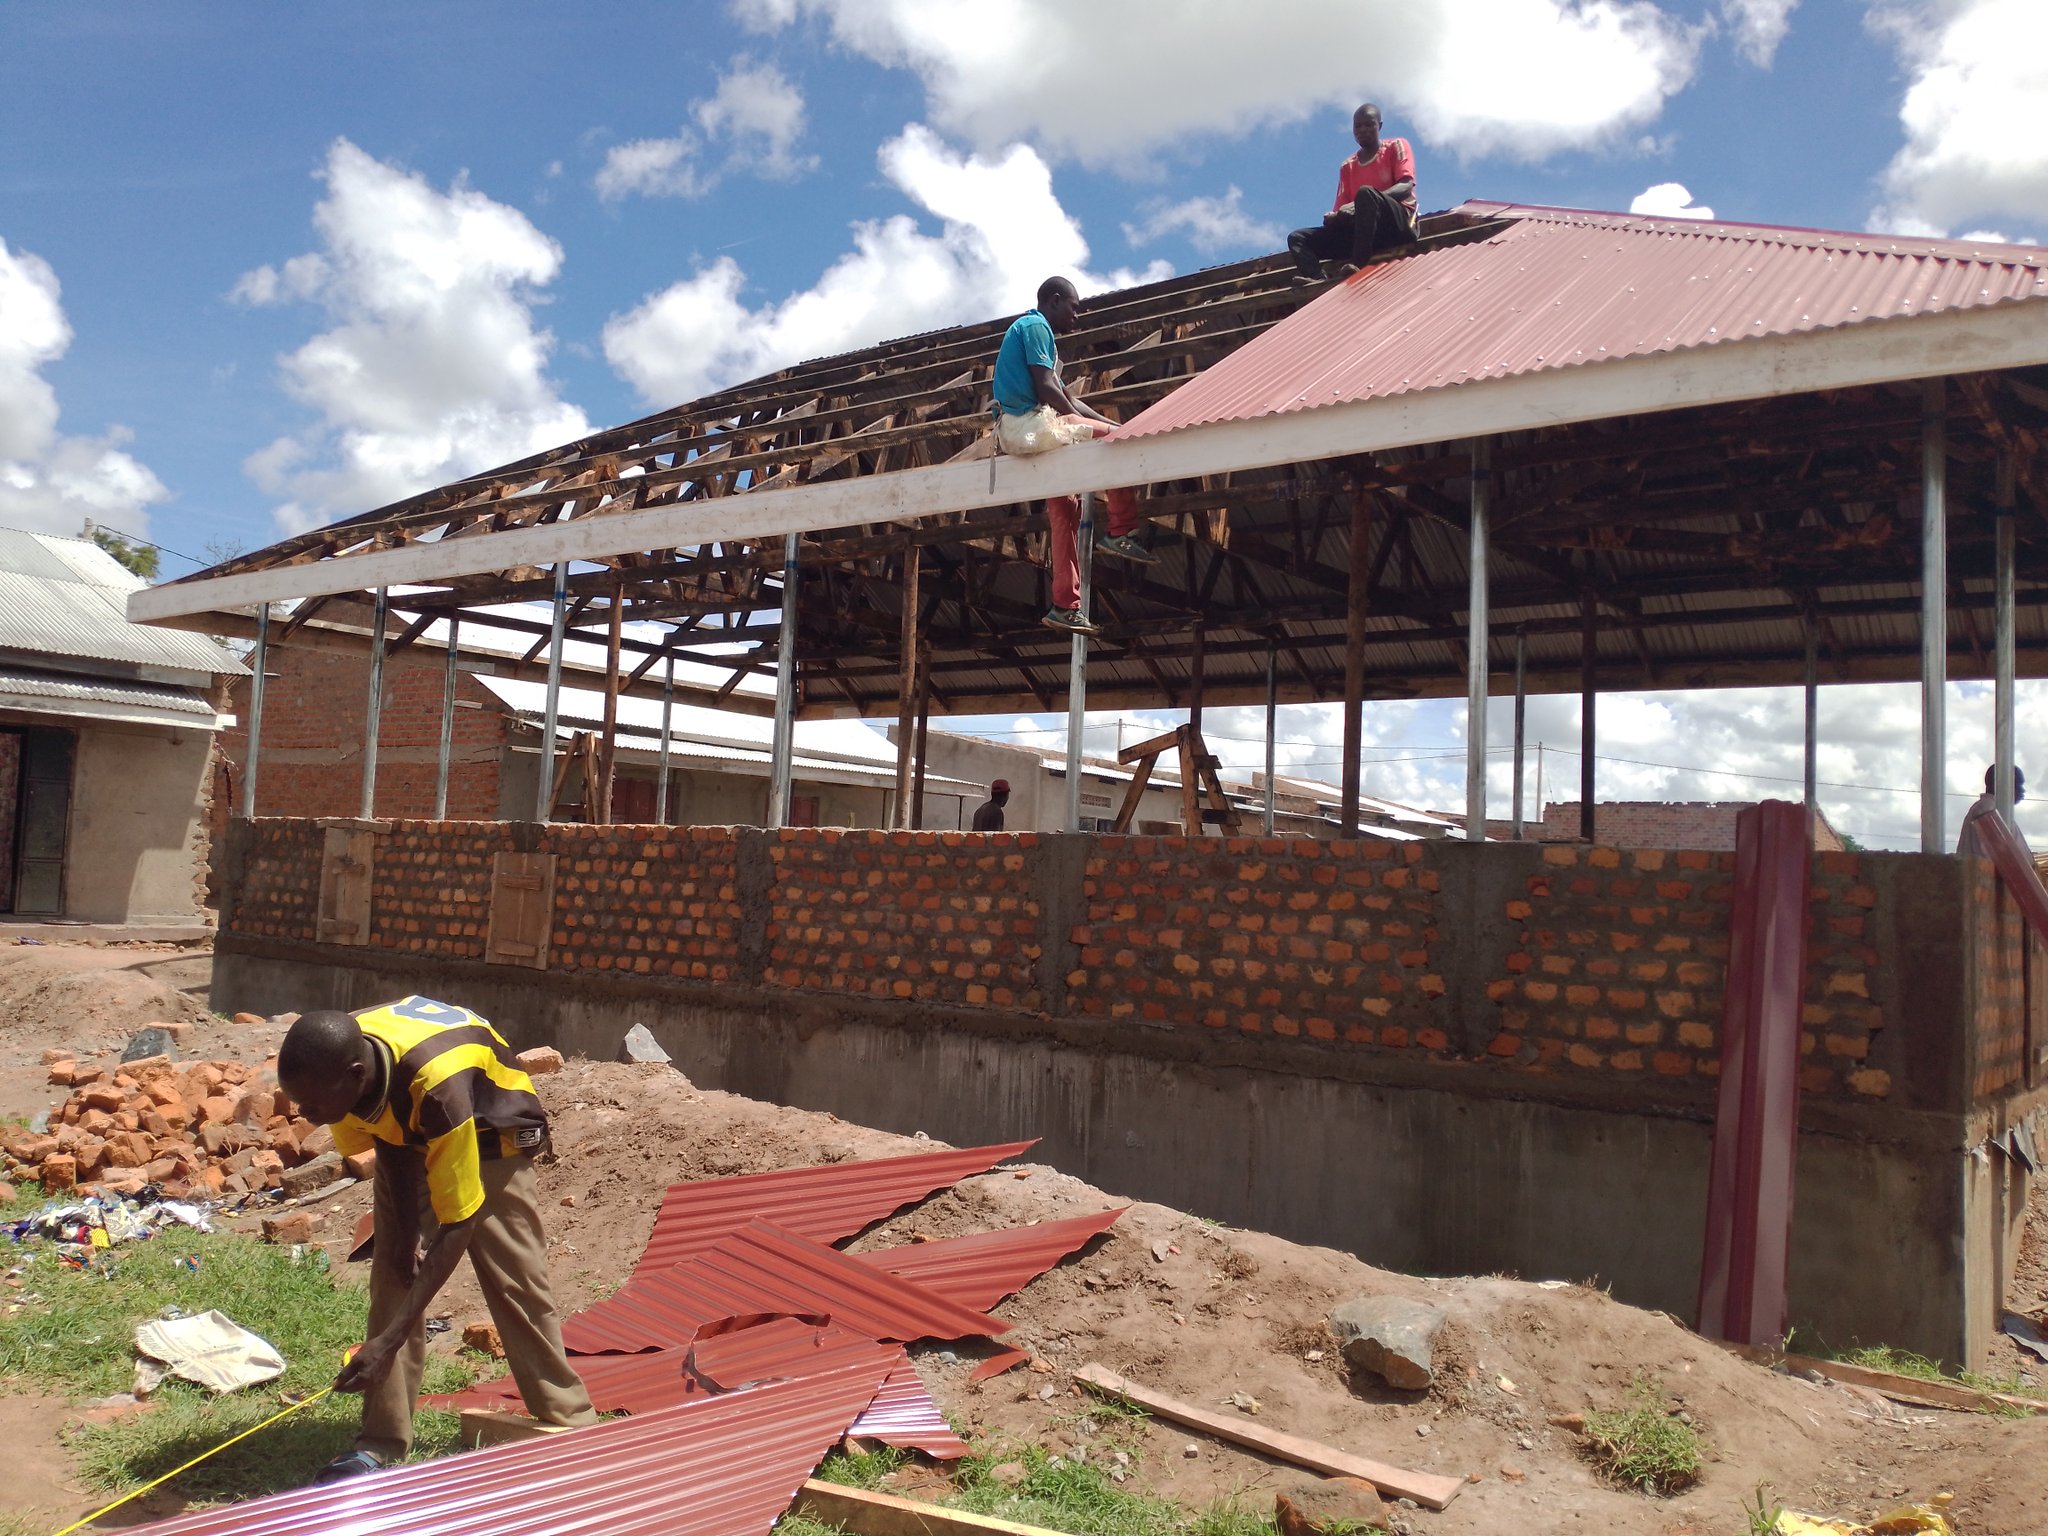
263,265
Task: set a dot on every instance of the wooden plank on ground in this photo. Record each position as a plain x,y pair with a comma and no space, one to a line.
1429,1489
885,1514
1906,1389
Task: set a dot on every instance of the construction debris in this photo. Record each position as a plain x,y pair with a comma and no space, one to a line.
1428,1489
207,1130
641,1046
1321,1506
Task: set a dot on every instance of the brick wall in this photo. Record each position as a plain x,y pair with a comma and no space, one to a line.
937,916
1998,1013
315,708
1594,966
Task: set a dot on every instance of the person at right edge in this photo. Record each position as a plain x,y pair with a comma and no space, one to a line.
1034,414
1375,207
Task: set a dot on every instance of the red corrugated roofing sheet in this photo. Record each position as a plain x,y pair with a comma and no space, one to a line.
762,1268
980,1270
904,1415
1560,288
827,1204
725,1466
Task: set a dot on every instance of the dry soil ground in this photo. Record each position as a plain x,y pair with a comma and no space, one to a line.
1229,1311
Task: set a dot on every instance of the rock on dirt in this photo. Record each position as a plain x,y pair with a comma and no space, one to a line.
641,1046
1315,1506
539,1061
1390,1336
483,1337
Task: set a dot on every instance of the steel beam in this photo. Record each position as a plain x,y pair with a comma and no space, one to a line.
1476,650
2005,657
262,660
1077,666
544,792
782,746
1933,615
1272,725
1521,721
668,704
375,712
447,748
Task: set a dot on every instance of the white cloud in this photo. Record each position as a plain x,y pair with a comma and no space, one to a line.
756,112
1669,200
1978,73
650,168
761,113
1209,223
1002,233
1759,26
51,483
1113,85
433,367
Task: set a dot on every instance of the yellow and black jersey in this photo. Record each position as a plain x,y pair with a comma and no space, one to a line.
455,1093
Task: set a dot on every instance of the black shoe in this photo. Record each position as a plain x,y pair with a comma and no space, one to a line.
348,1464
1124,547
1068,619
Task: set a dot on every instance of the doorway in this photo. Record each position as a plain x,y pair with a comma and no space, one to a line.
35,818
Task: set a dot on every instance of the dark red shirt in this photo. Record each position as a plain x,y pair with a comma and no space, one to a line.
1395,162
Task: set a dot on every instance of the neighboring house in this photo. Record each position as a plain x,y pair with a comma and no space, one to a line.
315,707
1702,824
106,736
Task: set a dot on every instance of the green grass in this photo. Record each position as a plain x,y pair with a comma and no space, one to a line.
1643,1446
1055,1493
76,1337
1903,1362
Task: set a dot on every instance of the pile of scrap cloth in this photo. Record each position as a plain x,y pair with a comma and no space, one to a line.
741,1350
740,1285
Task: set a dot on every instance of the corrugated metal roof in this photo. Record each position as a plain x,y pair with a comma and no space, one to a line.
1562,287
827,1203
763,1268
65,597
981,1269
904,1415
725,1466
105,697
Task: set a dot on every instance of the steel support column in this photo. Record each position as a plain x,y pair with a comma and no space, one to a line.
1589,651
668,705
261,662
447,751
1476,648
906,692
544,792
782,748
1272,725
1933,614
1356,605
608,743
924,726
1521,720
375,713
2005,660
1812,758
1077,666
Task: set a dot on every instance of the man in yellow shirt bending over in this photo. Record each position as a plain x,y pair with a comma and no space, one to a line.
455,1124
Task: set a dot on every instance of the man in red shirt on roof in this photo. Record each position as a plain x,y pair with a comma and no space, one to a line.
1375,207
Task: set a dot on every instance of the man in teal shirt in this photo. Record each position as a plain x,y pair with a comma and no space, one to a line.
1034,413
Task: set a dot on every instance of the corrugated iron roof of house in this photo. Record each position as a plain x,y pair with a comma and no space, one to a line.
65,600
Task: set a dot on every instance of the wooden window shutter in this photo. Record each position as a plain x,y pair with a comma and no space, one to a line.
345,886
522,909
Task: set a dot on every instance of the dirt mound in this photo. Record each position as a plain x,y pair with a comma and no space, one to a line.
89,997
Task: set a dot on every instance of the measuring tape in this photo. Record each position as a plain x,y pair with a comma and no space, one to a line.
304,1402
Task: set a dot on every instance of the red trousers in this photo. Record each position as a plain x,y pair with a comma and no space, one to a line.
1063,515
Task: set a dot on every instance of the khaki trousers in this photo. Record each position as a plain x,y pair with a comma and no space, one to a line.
509,1255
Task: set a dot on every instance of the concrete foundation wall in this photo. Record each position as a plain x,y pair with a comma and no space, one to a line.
136,845
1410,1178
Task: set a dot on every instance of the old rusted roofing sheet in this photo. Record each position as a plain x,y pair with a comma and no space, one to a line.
1560,288
981,1269
723,1466
764,1269
827,1204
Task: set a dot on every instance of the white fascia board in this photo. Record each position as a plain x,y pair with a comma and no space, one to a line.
1867,352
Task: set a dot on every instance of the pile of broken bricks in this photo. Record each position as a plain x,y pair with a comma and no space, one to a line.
197,1130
